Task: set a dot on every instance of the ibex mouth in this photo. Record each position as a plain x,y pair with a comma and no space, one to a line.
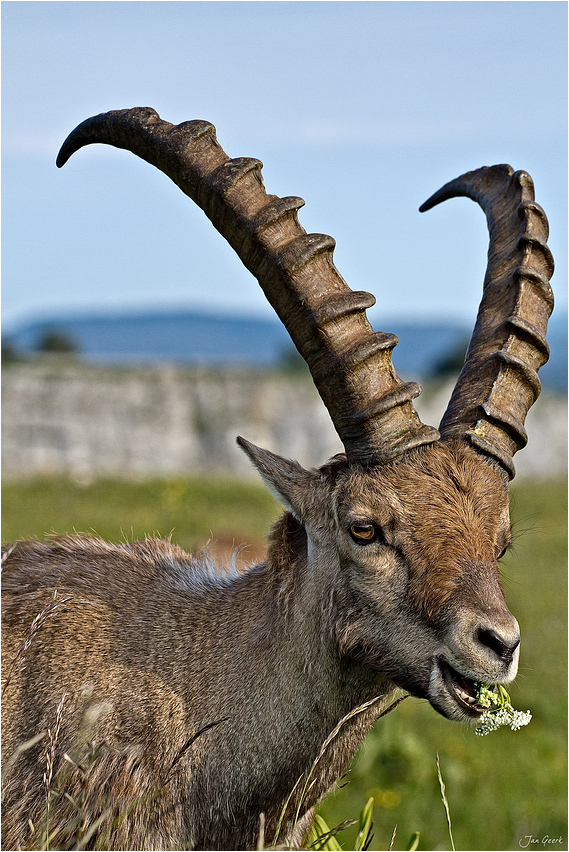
462,689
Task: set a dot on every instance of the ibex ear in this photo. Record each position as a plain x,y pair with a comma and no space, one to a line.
289,482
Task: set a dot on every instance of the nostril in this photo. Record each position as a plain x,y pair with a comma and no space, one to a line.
503,649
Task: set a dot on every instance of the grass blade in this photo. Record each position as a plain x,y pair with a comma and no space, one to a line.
413,844
445,802
323,837
365,835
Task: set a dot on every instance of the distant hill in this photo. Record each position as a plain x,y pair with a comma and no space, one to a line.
187,337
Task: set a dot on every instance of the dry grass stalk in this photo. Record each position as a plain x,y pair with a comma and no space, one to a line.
50,759
53,607
309,777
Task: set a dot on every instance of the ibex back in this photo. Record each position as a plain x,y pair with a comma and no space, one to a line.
194,700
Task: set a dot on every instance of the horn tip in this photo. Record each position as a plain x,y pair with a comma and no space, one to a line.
473,183
90,130
62,157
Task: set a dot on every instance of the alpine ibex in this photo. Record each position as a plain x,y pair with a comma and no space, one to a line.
211,694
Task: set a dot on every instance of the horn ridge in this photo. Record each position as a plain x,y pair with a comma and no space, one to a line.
228,174
501,417
275,211
338,306
303,249
538,280
533,335
295,270
367,347
498,382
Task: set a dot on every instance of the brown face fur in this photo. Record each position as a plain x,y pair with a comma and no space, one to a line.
445,511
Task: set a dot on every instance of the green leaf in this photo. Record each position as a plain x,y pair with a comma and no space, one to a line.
321,836
365,827
413,844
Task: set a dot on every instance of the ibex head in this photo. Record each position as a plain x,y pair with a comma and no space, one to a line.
412,520
409,550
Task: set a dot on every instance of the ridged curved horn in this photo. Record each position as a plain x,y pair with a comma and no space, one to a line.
351,365
498,383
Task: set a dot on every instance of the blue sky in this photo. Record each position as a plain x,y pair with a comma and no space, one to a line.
361,108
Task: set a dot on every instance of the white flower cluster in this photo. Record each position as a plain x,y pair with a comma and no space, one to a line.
500,711
492,720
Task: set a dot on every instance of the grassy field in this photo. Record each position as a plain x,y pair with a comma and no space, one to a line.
505,791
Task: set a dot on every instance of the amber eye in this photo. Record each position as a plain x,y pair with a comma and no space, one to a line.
364,532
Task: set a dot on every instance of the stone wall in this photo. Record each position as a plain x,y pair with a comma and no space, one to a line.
84,421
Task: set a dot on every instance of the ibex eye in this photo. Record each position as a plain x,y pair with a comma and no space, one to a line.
363,533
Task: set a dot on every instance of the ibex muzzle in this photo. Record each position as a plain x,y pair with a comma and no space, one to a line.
209,695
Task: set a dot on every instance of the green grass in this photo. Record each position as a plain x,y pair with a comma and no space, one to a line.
502,788
193,511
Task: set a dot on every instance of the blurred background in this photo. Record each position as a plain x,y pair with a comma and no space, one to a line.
363,109
136,347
